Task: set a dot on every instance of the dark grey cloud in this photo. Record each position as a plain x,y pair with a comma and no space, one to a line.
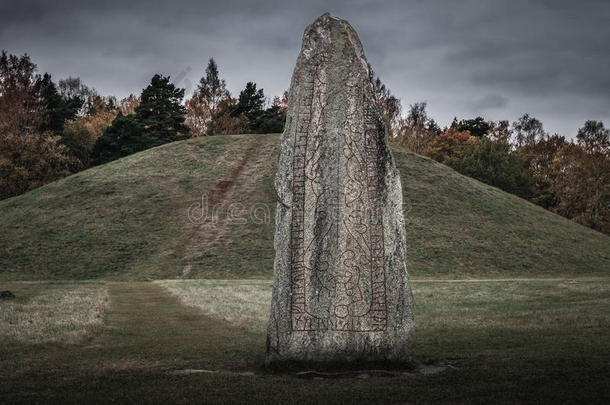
497,59
489,101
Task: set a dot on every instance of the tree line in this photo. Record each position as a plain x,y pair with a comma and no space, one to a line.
49,130
568,177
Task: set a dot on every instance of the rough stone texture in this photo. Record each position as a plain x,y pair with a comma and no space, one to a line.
341,290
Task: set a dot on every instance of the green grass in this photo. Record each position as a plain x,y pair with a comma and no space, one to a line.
465,318
128,220
541,341
242,303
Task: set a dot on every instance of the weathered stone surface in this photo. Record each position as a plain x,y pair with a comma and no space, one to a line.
341,290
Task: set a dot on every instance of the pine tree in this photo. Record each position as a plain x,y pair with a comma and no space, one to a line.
161,113
158,119
58,109
124,137
250,101
477,127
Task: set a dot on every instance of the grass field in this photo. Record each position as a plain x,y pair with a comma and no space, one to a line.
512,303
54,313
497,341
141,218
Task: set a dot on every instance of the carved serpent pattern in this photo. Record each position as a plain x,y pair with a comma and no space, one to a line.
338,279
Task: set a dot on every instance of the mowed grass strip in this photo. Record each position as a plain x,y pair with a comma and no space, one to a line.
243,303
453,319
60,313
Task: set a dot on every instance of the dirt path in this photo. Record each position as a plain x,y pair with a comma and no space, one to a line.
242,180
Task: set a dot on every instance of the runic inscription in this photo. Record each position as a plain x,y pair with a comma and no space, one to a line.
338,240
341,290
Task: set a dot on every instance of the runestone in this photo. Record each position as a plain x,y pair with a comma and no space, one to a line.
341,289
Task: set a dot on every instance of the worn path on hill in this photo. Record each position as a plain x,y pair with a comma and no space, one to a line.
221,199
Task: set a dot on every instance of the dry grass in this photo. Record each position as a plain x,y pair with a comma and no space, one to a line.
64,315
243,303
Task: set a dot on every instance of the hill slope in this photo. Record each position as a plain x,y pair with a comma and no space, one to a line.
141,217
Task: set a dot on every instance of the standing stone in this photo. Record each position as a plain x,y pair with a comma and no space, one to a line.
341,290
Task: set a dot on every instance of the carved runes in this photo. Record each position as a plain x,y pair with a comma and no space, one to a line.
341,288
336,240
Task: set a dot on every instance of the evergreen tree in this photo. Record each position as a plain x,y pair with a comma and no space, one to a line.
268,121
158,119
161,113
477,127
58,109
260,121
250,101
124,137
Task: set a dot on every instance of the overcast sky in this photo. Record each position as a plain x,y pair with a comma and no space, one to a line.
497,59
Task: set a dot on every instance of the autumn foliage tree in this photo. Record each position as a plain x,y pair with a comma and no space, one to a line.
389,104
30,153
225,121
206,101
417,129
20,106
448,146
129,104
30,159
492,162
500,131
527,130
81,134
582,188
539,159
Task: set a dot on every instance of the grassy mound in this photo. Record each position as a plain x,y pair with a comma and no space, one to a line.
205,208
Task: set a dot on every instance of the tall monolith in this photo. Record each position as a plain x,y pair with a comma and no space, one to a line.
341,290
